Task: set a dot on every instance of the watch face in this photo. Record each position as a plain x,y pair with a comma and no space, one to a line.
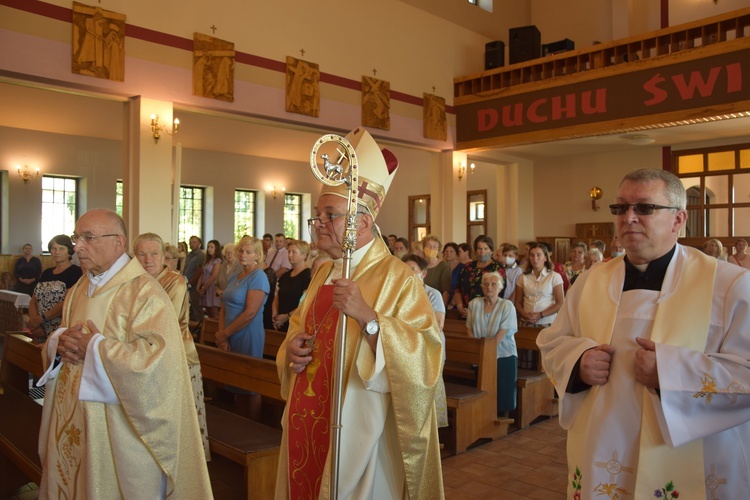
372,327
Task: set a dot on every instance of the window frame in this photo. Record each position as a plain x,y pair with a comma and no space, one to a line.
299,215
254,217
182,233
76,209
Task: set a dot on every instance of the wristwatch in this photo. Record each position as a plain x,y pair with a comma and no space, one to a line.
372,327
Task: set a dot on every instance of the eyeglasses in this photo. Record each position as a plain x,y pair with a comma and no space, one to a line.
324,218
638,208
88,238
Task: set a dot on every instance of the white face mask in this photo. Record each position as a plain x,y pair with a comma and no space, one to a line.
509,261
617,254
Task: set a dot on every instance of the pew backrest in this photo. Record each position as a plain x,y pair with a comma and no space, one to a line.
20,357
237,370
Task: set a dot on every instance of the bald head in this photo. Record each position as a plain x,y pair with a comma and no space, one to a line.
101,239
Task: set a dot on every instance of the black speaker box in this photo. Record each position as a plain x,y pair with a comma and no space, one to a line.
559,46
525,44
494,55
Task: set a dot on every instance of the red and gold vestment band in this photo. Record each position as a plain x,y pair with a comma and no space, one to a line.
310,402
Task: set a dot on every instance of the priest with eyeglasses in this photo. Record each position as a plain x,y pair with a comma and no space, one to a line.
650,355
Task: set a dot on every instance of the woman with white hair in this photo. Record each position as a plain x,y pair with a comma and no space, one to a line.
149,250
493,316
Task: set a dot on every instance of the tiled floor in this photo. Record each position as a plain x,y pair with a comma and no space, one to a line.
526,464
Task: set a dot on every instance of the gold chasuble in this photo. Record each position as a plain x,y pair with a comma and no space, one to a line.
389,430
310,402
98,450
682,319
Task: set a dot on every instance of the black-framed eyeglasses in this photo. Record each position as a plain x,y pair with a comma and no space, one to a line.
88,238
638,208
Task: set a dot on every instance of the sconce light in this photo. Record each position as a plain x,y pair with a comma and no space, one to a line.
275,191
462,170
26,174
156,128
471,168
595,194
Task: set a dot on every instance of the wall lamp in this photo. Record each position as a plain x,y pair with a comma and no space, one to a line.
275,191
156,128
595,194
26,174
462,170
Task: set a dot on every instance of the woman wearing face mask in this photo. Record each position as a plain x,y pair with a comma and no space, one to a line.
615,249
470,283
438,271
401,247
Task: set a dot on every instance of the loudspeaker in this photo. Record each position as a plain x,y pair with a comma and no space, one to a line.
557,47
525,44
494,55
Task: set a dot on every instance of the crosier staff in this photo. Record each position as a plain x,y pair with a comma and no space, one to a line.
335,174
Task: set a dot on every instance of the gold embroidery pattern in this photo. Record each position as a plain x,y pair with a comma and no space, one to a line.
614,467
610,490
708,390
734,389
69,438
713,482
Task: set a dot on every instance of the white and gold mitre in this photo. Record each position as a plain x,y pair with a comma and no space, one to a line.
375,170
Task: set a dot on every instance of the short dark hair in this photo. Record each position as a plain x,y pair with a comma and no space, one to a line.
483,238
199,240
267,235
466,248
62,240
280,234
452,245
404,241
412,257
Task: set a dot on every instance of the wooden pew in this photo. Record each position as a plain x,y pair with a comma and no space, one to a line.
20,416
536,394
208,331
248,443
274,338
472,410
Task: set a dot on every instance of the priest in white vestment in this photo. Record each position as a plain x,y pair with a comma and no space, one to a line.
650,355
389,442
118,419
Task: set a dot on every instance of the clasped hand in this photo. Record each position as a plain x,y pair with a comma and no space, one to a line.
595,364
74,341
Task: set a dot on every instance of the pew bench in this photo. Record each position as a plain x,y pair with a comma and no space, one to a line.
472,403
251,444
536,394
20,416
274,338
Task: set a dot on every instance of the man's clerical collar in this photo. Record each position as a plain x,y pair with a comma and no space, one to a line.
650,279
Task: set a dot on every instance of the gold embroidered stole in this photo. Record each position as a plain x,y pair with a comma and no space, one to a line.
310,402
67,456
682,319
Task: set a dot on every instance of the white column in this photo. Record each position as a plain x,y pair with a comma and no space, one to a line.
148,173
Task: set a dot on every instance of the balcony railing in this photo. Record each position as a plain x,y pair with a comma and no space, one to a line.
655,44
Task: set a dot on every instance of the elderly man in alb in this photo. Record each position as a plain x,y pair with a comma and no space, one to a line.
650,355
389,443
119,419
